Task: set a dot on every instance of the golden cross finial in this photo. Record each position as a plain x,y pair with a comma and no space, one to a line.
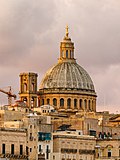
67,31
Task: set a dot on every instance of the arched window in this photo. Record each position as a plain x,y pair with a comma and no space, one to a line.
55,102
42,101
69,103
109,152
85,104
92,105
75,103
25,87
33,87
61,102
70,54
48,101
32,101
66,53
89,105
80,104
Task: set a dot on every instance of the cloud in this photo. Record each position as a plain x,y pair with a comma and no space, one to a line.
21,25
30,32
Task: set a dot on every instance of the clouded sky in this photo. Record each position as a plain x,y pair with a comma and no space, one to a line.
31,30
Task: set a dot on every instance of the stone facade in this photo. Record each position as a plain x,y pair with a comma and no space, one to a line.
68,145
108,149
28,89
13,143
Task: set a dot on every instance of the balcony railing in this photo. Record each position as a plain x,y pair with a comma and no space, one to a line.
66,150
82,151
15,156
108,158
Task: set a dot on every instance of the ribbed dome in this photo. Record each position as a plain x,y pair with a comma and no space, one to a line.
68,75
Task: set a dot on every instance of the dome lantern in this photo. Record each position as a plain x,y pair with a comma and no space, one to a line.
66,48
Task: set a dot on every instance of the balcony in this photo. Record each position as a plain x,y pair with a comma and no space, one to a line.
66,150
108,158
14,156
82,151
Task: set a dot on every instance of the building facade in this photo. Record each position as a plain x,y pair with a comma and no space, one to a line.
13,144
71,146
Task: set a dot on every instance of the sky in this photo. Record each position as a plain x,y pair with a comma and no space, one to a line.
31,31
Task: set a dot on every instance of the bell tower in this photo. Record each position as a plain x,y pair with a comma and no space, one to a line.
28,89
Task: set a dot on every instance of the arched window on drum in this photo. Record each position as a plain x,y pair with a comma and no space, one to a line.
54,102
75,103
80,103
61,102
85,104
68,103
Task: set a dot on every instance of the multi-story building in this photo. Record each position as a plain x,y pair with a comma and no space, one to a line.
13,144
108,149
69,145
37,132
39,139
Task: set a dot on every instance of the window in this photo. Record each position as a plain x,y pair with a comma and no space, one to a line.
33,85
92,105
42,101
32,101
69,103
3,148
21,149
109,152
70,54
12,148
75,103
85,104
80,104
48,101
30,149
26,150
47,152
89,104
61,102
66,53
55,102
25,87
40,148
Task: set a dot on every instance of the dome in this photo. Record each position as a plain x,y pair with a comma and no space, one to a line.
67,75
67,86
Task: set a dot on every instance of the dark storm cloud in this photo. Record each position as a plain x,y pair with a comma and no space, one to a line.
30,32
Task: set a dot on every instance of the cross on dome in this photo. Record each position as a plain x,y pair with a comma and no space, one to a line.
67,33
